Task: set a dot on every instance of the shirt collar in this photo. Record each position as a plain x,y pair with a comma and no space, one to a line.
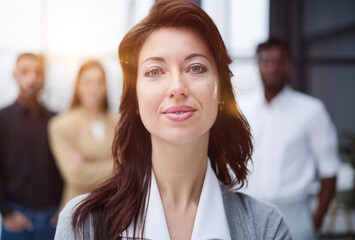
26,111
210,222
277,100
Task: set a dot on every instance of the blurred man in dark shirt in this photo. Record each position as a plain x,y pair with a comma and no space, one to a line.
30,185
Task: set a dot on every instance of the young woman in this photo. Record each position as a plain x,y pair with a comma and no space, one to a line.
179,134
81,138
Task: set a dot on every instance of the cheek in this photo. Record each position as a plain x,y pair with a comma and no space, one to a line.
39,81
209,98
210,90
149,94
103,90
81,91
214,96
212,105
215,91
140,96
144,97
146,108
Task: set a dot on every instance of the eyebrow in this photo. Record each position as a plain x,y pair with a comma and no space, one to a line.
160,59
193,55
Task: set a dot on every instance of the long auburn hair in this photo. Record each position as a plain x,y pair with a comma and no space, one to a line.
115,204
76,102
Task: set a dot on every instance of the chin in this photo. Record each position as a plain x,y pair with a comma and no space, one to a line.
179,137
30,93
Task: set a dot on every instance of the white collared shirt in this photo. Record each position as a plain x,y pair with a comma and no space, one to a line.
210,220
294,139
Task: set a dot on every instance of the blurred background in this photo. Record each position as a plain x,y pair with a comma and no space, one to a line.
321,34
67,33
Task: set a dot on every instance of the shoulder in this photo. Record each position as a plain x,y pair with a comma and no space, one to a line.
256,208
71,205
313,109
112,118
65,119
4,112
64,227
49,113
305,100
250,218
9,112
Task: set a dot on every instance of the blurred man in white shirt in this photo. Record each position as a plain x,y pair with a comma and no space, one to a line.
294,141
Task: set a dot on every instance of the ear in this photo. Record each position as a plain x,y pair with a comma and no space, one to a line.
220,98
221,105
14,75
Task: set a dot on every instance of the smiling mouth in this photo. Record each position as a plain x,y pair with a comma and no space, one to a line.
179,113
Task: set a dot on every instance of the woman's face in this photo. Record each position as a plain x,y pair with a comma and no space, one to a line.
177,86
92,88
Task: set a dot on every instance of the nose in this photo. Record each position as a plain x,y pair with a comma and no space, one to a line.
32,77
177,86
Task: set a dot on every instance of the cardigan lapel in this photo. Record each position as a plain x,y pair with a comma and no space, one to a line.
233,207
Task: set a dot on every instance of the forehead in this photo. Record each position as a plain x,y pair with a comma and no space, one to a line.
273,52
176,41
29,62
92,72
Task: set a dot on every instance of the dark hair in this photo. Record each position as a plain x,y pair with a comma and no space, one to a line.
76,102
274,42
121,200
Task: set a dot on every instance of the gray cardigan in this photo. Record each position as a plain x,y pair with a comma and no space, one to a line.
248,218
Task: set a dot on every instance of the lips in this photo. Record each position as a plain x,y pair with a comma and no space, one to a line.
179,113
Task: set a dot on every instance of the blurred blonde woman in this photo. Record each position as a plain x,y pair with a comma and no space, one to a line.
81,138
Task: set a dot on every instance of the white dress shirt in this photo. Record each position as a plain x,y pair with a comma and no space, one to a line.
210,220
294,141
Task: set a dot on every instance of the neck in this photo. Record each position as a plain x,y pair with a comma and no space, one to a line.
180,170
29,102
93,113
270,94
